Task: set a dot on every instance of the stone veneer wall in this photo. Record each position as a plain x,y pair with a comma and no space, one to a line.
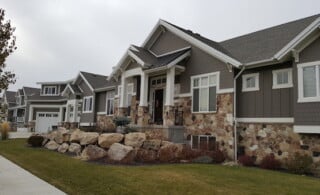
218,124
105,123
260,140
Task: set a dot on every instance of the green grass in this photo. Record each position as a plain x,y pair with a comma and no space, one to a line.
77,177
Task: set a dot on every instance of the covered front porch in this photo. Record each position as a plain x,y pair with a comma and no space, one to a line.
146,93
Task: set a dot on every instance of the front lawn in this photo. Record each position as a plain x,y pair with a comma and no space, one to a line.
77,177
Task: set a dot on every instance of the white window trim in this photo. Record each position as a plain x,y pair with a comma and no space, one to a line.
106,112
48,94
245,88
217,74
117,95
301,98
306,128
84,100
275,85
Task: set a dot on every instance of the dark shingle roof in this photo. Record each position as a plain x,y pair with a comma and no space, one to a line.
264,44
30,91
21,91
10,95
95,80
153,61
75,88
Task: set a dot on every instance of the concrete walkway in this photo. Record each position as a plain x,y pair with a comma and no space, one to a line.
15,180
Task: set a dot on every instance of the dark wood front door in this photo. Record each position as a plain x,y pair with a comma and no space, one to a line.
158,106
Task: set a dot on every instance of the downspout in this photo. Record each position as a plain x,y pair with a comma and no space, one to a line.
235,113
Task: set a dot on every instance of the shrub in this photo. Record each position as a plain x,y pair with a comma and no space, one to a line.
35,140
315,169
5,128
300,163
246,160
121,121
218,156
203,159
269,162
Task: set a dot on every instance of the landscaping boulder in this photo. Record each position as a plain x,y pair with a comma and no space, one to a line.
76,136
121,153
52,145
135,139
146,156
107,139
93,152
59,135
153,144
89,138
51,135
171,152
63,148
74,148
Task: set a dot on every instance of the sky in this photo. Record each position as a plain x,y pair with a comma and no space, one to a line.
58,38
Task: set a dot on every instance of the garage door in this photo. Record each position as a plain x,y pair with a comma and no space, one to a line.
45,121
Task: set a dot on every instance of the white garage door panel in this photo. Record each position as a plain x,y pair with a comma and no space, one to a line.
45,121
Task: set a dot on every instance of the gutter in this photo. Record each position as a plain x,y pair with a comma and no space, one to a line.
235,113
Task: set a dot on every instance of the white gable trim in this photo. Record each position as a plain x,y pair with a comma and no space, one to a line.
221,56
294,42
136,58
85,80
306,128
65,90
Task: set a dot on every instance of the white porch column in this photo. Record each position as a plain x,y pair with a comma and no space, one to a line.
31,113
67,113
123,96
75,111
144,89
170,87
61,114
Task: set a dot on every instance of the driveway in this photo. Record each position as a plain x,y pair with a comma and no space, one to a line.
15,180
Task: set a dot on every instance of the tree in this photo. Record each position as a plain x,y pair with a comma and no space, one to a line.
7,46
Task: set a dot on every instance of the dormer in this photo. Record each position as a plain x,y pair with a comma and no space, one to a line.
19,97
52,88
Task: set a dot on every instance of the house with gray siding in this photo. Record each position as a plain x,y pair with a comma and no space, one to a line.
256,94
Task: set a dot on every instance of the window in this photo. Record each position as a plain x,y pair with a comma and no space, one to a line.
110,102
204,90
282,78
87,105
250,82
50,90
203,142
309,82
129,93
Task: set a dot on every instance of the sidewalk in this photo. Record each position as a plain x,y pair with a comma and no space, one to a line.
15,180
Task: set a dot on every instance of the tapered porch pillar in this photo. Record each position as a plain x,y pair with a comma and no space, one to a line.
168,114
143,112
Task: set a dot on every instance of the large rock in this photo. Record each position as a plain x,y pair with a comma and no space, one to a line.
52,145
89,138
135,139
92,152
60,134
75,148
153,144
146,156
121,153
107,139
63,148
171,152
76,136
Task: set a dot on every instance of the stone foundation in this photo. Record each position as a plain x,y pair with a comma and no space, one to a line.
259,140
143,116
168,116
218,124
105,123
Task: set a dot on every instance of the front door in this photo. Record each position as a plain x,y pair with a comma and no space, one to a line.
158,106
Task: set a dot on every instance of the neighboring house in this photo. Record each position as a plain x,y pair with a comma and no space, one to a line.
259,83
8,101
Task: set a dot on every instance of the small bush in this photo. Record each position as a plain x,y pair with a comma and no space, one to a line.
246,160
5,128
269,162
300,163
35,140
218,156
203,159
121,121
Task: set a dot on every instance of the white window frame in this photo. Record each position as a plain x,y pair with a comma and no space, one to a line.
50,87
301,97
86,98
109,98
244,86
275,84
217,74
